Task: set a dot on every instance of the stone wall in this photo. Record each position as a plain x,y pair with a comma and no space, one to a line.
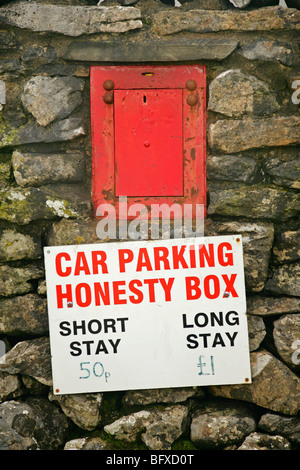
253,128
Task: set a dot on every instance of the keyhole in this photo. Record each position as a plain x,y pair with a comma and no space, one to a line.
145,99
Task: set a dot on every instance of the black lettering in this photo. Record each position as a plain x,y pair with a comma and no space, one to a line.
193,340
234,320
77,350
65,328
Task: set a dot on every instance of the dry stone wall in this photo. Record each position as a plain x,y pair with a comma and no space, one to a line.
253,133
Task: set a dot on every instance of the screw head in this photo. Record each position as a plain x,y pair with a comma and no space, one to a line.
108,98
191,85
192,100
108,85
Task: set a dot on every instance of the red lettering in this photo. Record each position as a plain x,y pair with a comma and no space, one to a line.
58,266
192,288
210,257
225,259
100,293
215,292
118,291
99,259
66,295
151,283
161,253
81,264
134,290
229,284
143,260
125,256
86,301
167,286
178,257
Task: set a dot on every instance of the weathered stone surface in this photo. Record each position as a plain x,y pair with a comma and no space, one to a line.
30,357
159,428
237,135
217,425
10,386
72,232
202,49
256,330
71,20
257,441
268,49
66,129
50,99
36,54
203,21
22,206
8,40
15,245
287,247
257,241
26,314
286,334
5,169
18,280
285,426
285,280
234,93
231,168
274,386
82,409
87,443
283,168
255,201
33,424
164,395
37,169
272,305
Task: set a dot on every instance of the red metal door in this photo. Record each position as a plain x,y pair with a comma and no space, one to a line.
148,134
148,142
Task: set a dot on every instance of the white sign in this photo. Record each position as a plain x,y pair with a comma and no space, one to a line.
147,314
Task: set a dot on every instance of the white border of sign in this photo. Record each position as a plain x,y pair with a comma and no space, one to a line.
147,314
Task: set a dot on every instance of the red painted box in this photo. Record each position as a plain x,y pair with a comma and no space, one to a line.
148,134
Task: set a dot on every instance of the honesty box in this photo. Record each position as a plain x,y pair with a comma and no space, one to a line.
147,314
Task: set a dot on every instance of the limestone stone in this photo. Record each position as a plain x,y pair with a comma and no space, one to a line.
25,314
15,245
82,409
30,357
287,247
72,232
10,386
66,129
285,426
268,49
285,280
254,201
265,306
35,424
234,93
8,40
22,206
217,425
256,330
31,169
50,99
165,395
286,334
36,54
257,239
282,167
232,136
201,49
71,20
17,280
204,21
259,441
274,386
158,428
231,168
87,443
